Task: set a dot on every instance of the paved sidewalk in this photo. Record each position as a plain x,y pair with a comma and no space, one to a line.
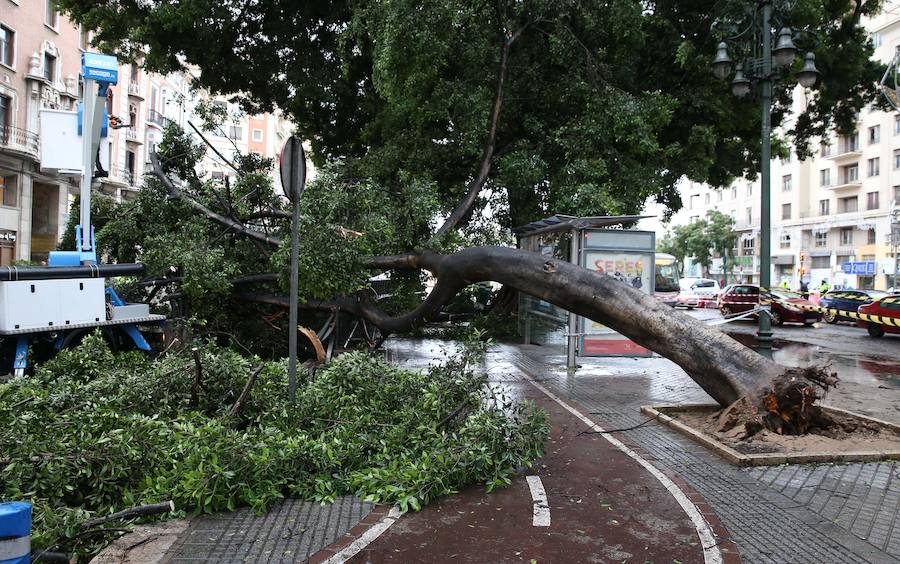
818,513
291,531
601,506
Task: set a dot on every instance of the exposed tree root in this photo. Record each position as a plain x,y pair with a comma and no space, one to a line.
785,406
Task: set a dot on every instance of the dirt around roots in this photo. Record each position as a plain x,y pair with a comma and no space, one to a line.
848,433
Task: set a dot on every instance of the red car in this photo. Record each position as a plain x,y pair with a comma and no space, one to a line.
887,310
786,307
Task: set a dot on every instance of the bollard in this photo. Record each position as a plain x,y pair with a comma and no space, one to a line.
15,532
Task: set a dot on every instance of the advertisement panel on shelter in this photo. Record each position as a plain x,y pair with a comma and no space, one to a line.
632,268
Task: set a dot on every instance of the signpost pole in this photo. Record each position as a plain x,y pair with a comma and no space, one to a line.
293,181
572,344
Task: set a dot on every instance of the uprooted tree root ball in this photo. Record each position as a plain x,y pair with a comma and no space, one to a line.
786,406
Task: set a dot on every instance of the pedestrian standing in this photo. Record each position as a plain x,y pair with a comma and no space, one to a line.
804,289
824,286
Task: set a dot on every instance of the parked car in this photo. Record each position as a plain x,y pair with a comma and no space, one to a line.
697,292
785,307
887,309
846,300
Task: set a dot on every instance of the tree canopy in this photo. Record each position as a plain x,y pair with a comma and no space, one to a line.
700,238
602,105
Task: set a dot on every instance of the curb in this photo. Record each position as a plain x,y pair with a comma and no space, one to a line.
378,513
769,459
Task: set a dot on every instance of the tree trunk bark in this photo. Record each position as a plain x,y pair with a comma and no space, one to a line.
724,368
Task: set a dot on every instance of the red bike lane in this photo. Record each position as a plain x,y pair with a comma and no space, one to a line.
605,505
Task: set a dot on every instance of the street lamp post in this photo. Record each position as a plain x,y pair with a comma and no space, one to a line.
759,65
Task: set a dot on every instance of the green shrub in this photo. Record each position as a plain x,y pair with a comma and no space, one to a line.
92,433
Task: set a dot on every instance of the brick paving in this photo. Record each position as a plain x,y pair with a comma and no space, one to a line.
291,531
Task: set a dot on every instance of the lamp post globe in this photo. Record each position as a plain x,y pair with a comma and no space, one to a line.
809,74
785,50
722,64
740,85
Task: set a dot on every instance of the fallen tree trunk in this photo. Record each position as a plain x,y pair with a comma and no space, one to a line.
724,368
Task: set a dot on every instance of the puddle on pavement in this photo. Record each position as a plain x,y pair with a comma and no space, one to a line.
864,369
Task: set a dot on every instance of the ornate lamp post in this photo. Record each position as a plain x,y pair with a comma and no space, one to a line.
761,63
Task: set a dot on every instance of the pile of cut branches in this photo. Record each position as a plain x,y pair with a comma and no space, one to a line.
92,433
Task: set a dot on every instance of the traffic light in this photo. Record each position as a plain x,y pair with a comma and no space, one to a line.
802,261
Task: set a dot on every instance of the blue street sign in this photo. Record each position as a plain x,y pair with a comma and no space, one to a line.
865,268
102,68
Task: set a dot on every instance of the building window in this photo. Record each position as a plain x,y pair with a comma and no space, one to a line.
846,235
7,46
49,67
257,135
8,190
235,132
825,177
785,211
51,16
848,205
849,143
706,198
749,190
5,114
821,262
718,195
823,207
849,174
874,134
748,245
785,241
694,202
897,194
821,239
870,239
896,159
749,216
786,183
825,149
872,201
874,166
844,259
896,125
877,40
734,193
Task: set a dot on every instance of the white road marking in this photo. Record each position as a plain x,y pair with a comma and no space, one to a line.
366,538
541,508
711,552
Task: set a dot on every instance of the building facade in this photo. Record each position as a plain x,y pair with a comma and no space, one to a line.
831,213
40,63
40,58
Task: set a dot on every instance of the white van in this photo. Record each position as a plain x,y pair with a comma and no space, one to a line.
697,292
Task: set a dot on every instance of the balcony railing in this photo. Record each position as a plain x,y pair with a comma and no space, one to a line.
131,134
134,89
20,140
157,118
122,175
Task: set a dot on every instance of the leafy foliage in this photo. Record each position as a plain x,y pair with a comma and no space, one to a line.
606,103
699,239
91,433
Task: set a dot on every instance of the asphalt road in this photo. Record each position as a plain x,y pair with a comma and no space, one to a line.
839,338
869,369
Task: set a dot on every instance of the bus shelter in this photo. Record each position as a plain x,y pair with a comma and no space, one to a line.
600,243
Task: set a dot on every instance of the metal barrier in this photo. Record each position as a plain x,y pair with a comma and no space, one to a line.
15,532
